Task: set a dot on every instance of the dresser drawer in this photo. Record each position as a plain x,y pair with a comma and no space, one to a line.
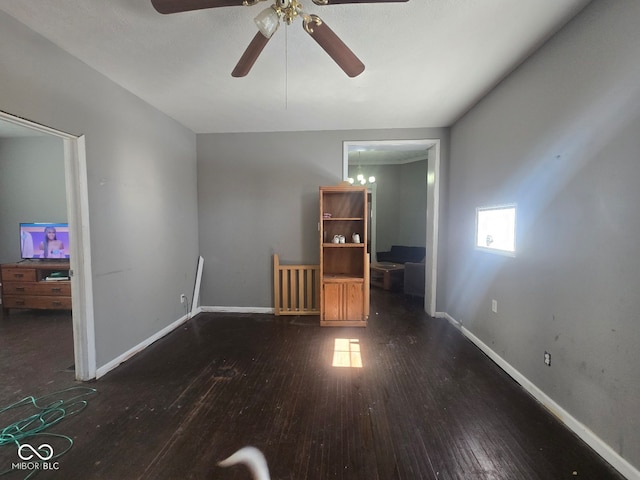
18,275
61,288
48,302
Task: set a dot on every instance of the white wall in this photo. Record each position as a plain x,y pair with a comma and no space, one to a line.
141,182
560,138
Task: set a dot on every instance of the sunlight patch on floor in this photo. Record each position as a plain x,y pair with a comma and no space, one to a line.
346,353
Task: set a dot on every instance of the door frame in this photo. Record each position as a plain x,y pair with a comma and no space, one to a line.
77,199
432,146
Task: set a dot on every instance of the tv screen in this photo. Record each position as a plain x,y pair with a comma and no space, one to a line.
44,240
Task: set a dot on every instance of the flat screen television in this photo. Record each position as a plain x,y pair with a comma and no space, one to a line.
44,241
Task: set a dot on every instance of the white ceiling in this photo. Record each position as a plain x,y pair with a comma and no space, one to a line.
427,61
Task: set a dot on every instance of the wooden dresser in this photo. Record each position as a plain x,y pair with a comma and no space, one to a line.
36,284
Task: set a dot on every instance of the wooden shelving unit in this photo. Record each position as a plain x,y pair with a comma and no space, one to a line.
344,267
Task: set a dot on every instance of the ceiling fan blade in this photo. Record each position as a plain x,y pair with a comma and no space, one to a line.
175,6
331,44
338,2
250,55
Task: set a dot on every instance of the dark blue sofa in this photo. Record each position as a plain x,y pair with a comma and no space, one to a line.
402,254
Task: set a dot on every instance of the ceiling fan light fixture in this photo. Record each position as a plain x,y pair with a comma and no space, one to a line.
268,21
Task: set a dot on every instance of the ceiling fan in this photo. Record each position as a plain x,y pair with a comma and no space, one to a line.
268,22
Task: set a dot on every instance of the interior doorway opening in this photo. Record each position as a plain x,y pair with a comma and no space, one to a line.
361,153
77,204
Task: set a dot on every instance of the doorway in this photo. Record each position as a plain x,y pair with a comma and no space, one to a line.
78,219
397,151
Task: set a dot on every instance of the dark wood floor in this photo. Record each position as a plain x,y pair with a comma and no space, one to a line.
426,404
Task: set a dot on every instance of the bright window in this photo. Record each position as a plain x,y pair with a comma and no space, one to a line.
496,229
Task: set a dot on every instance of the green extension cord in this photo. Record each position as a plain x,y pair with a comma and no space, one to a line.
45,417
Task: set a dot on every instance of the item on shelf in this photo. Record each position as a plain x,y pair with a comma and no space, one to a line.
55,278
355,238
326,215
339,239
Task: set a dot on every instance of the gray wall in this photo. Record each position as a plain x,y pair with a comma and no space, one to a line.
560,138
401,203
32,187
141,182
412,203
258,195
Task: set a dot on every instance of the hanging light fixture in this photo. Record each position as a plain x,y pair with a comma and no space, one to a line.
360,178
268,21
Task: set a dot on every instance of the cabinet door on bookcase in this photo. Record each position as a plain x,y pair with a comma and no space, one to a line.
332,302
354,304
343,302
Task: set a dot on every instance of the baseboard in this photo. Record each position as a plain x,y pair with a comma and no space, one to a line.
141,346
238,309
590,438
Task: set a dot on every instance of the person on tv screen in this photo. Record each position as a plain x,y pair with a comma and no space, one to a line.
51,246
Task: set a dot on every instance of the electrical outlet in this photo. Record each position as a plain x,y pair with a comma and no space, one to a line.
183,298
494,306
547,359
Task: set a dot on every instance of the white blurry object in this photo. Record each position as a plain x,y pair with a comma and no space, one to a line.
253,459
